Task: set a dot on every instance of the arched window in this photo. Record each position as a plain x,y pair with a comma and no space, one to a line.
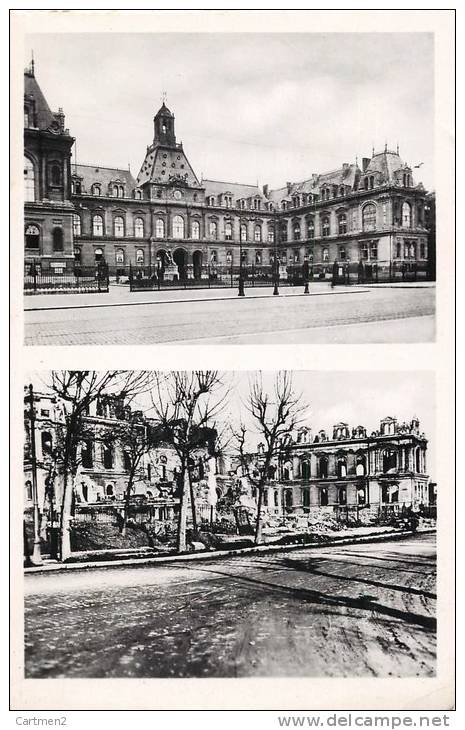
98,253
323,467
342,495
126,461
406,215
138,194
257,233
296,231
76,225
47,444
369,217
119,255
195,230
341,468
325,254
213,230
305,471
418,461
86,454
29,181
360,468
109,491
324,497
57,236
160,228
311,228
96,189
28,491
115,191
55,175
107,453
138,228
178,227
325,226
228,231
140,256
389,460
243,232
97,225
32,237
270,234
258,257
342,223
118,226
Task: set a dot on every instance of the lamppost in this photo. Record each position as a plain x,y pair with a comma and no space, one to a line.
276,261
36,555
241,292
306,273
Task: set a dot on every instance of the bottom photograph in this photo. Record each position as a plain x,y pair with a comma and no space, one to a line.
229,524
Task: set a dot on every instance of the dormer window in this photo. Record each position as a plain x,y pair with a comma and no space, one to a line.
256,204
211,200
96,189
284,205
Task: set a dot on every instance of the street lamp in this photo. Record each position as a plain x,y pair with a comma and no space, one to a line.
276,262
241,292
306,273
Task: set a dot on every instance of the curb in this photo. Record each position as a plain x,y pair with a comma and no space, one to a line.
187,301
213,555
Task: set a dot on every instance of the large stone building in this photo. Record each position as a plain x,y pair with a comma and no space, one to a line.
103,464
348,470
183,227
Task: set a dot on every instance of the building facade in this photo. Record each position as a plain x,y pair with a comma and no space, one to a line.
103,464
183,227
349,470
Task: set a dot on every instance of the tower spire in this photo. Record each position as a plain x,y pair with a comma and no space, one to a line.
32,62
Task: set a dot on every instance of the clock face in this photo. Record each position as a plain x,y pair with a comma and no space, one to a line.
177,194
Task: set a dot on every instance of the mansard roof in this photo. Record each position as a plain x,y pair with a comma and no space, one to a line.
387,163
104,176
237,190
167,165
346,175
44,115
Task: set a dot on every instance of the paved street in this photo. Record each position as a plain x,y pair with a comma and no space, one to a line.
348,316
354,610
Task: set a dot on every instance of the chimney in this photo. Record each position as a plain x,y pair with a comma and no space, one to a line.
365,163
345,166
265,191
289,186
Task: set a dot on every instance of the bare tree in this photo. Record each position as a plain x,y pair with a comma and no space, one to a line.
76,390
274,416
186,405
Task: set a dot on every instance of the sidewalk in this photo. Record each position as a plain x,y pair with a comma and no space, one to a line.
353,536
120,295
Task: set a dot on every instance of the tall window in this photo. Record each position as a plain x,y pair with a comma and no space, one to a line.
342,253
325,226
160,228
97,225
325,254
270,235
119,255
107,456
55,175
296,256
283,231
406,215
87,454
422,251
369,217
296,231
258,258
243,232
178,226
139,228
139,256
364,251
76,225
195,230
342,223
311,228
57,239
374,250
32,237
324,497
118,226
257,233
29,182
213,229
228,232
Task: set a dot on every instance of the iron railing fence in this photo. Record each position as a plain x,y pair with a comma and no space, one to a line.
211,276
78,280
374,272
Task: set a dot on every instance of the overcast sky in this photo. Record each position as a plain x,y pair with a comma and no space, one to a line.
356,398
249,107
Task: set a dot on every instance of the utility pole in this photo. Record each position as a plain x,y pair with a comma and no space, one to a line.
36,554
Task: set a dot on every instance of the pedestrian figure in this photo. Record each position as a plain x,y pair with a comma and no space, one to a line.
305,275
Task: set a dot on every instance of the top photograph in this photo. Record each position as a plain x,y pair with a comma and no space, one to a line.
217,188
